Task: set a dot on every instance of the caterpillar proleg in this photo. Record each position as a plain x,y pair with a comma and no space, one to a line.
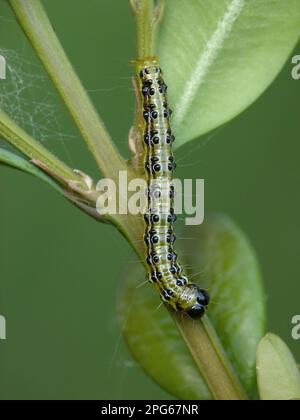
165,272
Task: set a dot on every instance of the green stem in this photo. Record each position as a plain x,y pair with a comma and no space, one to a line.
37,27
15,161
202,340
210,358
148,15
16,136
200,337
208,353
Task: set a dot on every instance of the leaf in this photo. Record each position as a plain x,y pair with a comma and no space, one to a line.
155,342
227,263
220,55
15,161
277,371
222,253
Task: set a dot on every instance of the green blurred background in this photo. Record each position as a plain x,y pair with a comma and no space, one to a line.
60,270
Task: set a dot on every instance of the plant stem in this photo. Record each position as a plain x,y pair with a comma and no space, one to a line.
200,337
210,358
147,16
144,30
15,161
37,27
16,136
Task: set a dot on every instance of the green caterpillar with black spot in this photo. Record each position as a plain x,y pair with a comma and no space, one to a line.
165,272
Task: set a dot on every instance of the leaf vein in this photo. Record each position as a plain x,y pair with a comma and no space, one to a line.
208,57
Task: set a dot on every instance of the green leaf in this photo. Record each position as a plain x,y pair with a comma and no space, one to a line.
15,161
220,55
228,266
277,370
154,340
220,251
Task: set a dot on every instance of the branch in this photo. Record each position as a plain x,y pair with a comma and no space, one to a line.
148,17
210,358
15,161
200,337
36,25
16,136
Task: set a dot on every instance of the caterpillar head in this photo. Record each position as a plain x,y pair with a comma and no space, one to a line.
193,300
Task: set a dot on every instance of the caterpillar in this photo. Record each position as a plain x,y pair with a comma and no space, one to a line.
165,272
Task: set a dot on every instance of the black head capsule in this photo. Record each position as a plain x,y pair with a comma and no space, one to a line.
199,299
203,297
196,311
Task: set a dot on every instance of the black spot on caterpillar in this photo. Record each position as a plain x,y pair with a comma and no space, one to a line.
165,271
